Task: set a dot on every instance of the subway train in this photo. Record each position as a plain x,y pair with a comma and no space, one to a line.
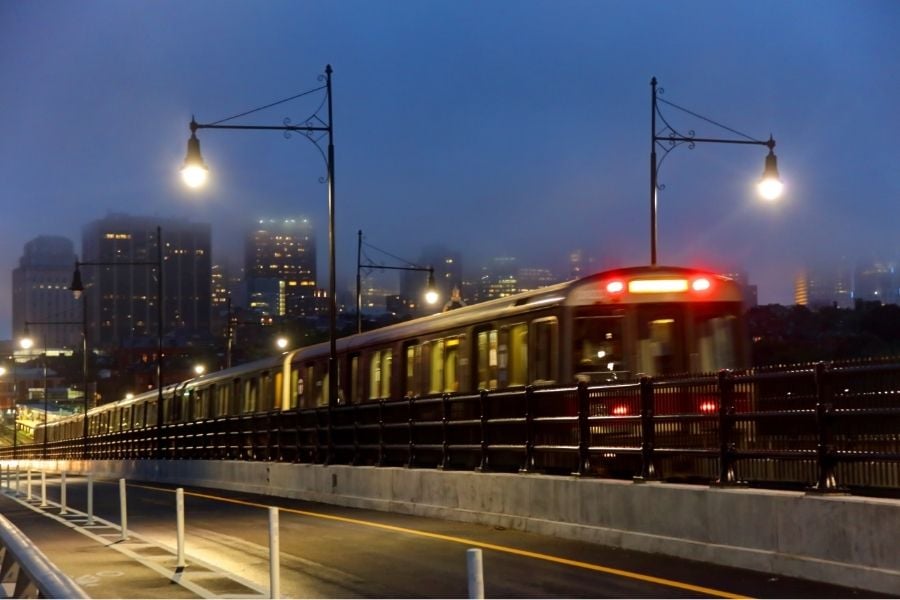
609,327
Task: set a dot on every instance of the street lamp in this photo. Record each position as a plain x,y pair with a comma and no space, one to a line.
769,187
431,293
77,289
281,342
199,370
27,343
194,172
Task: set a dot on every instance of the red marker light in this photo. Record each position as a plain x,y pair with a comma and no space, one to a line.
708,406
615,287
701,284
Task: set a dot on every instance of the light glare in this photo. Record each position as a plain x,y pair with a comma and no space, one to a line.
194,176
657,286
770,188
431,297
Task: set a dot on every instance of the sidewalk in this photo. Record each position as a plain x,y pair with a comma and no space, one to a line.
107,567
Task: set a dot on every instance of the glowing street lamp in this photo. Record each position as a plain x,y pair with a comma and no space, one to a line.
769,187
431,293
194,173
199,370
281,342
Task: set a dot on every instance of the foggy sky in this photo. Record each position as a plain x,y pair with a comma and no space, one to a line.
495,128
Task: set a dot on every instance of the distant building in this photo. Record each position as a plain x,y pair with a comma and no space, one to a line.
40,290
283,251
498,279
877,279
122,299
533,278
447,265
750,292
825,285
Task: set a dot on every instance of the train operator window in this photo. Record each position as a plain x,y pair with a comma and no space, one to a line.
661,341
598,352
716,344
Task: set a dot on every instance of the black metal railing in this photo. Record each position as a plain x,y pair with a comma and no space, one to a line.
823,427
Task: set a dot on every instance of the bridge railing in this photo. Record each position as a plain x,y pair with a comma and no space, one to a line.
25,572
823,426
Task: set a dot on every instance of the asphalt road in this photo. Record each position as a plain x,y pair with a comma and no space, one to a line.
336,552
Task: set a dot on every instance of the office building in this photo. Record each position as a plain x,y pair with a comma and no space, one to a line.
280,267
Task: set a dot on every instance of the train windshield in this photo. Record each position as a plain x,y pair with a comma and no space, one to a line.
599,352
656,339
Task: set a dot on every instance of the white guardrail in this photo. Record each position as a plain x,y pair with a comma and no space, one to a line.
25,572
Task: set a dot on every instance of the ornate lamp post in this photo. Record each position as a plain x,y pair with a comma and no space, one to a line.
431,293
770,186
195,171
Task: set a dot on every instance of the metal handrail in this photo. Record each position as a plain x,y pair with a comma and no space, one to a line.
30,570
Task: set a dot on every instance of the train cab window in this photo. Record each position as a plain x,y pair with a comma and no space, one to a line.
545,350
487,343
716,344
518,354
660,340
598,353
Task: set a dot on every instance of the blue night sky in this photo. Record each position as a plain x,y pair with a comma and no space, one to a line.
495,128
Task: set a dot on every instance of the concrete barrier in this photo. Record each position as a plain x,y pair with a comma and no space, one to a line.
844,540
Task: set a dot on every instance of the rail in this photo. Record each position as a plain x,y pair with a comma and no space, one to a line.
26,573
827,428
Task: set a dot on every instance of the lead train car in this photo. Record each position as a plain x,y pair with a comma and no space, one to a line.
609,327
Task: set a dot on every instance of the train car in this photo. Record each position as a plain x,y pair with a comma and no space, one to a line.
609,327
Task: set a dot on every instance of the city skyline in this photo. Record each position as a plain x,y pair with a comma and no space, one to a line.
506,129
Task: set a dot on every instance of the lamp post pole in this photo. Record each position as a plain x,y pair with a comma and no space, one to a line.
668,141
359,265
77,288
195,171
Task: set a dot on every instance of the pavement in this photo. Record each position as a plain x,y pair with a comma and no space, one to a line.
105,566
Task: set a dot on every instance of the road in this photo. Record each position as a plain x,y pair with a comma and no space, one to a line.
337,552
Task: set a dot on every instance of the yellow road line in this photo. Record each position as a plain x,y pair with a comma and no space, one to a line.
473,543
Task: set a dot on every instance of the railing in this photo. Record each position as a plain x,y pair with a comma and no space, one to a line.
828,428
26,573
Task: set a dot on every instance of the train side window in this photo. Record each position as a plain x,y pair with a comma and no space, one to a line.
277,387
436,372
544,342
598,353
487,359
138,411
375,375
451,365
355,394
296,380
152,412
518,354
413,357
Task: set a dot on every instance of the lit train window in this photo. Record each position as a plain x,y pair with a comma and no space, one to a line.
518,354
413,358
487,359
380,374
545,350
598,355
355,394
436,373
716,344
451,364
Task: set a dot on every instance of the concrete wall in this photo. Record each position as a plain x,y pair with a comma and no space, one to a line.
844,540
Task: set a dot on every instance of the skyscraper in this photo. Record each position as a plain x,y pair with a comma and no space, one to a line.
122,299
41,293
280,267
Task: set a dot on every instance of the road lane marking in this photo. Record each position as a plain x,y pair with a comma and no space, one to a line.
470,543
